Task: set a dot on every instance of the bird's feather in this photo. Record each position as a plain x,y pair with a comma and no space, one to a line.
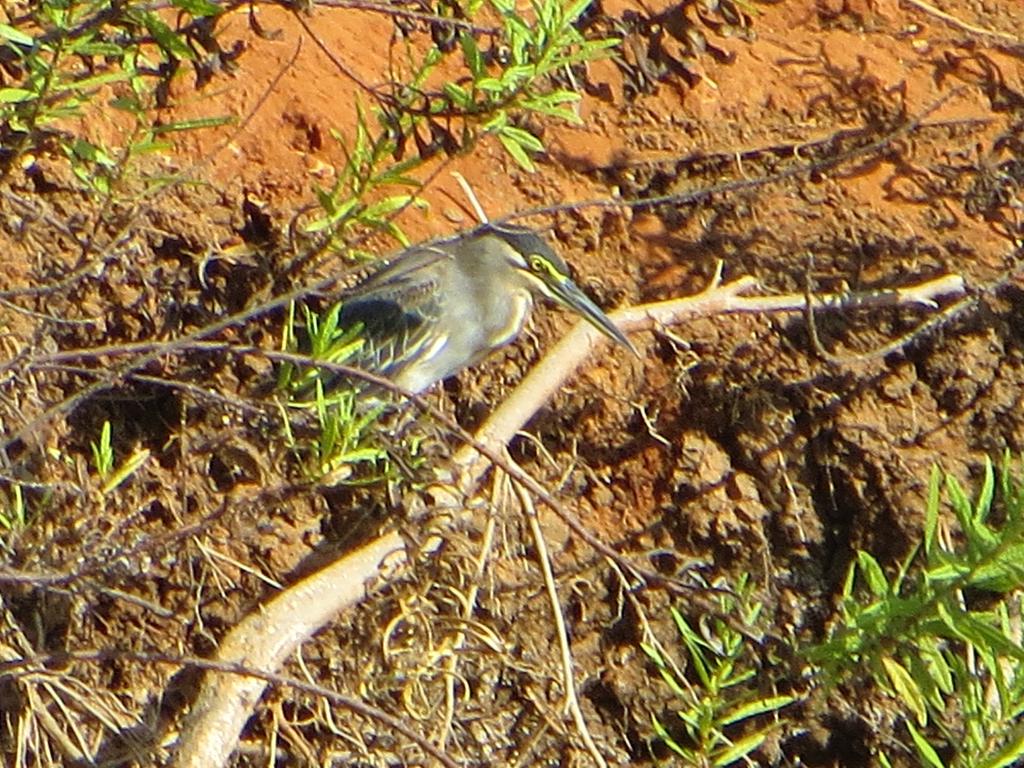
396,308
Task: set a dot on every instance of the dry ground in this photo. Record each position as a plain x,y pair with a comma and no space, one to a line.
731,442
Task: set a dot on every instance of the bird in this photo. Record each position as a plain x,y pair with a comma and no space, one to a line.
442,306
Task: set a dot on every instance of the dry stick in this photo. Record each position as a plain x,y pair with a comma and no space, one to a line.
572,702
469,606
964,26
481,214
265,639
545,379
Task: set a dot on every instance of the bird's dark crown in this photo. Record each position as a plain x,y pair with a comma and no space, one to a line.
527,242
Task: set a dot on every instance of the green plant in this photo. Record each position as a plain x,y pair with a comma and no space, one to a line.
325,342
943,639
103,453
70,54
345,204
345,437
491,95
13,512
720,707
537,49
103,461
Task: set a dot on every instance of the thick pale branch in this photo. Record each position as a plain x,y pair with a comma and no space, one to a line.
562,361
266,638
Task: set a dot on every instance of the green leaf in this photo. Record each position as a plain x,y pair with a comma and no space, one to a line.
525,139
664,669
126,470
1004,573
961,504
15,95
925,750
89,83
952,570
194,124
490,85
739,749
496,124
359,456
906,689
901,575
935,663
849,581
458,95
988,486
516,74
471,52
559,96
1009,754
695,645
7,32
168,40
574,11
129,103
388,206
923,677
662,733
334,214
873,574
517,152
91,47
987,639
753,708
198,7
931,514
981,539
653,654
93,153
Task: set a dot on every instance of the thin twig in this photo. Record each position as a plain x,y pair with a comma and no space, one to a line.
752,182
911,295
481,214
1015,42
341,66
482,558
572,702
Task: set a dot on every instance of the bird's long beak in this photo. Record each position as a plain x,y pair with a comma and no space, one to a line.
569,294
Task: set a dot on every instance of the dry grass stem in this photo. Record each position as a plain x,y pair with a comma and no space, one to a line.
963,25
572,702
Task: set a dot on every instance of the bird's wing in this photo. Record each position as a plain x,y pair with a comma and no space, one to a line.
397,307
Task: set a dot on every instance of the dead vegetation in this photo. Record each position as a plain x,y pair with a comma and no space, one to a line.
849,151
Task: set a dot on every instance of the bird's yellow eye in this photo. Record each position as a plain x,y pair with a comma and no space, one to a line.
541,265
